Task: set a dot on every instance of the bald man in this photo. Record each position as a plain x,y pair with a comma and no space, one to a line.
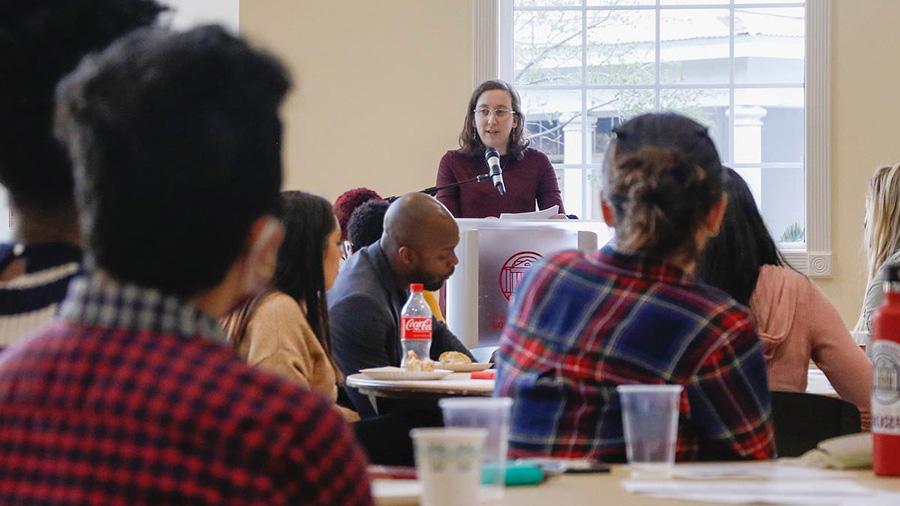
364,304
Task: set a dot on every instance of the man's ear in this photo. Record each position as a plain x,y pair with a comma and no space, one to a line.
407,256
608,216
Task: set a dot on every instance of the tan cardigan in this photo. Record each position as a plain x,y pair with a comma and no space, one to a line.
279,339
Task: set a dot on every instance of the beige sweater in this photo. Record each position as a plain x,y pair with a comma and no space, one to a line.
279,339
797,322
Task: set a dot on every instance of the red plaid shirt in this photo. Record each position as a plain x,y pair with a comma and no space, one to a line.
581,324
128,400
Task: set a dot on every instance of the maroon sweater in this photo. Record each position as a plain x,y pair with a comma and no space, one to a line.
527,180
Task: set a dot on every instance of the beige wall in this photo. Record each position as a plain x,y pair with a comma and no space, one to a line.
359,64
381,88
865,131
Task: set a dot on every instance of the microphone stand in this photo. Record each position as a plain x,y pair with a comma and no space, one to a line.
434,189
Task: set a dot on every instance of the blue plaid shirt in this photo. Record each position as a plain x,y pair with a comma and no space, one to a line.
581,324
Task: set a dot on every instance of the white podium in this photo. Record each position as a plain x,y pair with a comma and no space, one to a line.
493,257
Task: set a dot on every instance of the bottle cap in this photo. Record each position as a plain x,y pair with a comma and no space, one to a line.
892,273
416,287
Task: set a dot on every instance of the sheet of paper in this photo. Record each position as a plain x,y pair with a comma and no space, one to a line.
753,470
396,492
754,492
543,214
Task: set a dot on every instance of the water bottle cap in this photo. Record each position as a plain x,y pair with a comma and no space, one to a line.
892,273
416,287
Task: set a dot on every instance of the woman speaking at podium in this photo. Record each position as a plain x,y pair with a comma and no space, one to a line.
494,119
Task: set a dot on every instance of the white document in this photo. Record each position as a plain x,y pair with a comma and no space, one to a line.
543,214
753,470
755,492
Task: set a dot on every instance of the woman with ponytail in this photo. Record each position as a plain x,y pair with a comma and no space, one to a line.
583,323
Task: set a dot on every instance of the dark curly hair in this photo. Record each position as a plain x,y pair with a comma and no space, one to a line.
367,223
469,141
347,202
662,180
175,140
41,41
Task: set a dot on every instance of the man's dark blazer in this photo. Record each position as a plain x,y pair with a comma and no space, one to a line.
364,308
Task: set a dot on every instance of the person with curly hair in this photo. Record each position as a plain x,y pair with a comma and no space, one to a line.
41,41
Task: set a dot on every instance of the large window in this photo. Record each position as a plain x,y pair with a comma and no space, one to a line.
742,68
583,67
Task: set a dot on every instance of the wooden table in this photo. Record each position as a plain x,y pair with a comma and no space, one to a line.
601,489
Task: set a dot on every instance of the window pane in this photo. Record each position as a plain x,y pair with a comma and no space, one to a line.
744,2
780,195
621,47
694,46
769,125
548,47
608,109
717,3
769,45
709,107
547,3
616,3
553,120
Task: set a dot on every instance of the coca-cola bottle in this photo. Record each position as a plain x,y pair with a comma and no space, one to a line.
886,379
415,325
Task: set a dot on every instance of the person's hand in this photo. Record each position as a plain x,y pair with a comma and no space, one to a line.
559,217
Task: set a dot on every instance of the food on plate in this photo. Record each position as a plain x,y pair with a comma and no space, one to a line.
454,357
414,364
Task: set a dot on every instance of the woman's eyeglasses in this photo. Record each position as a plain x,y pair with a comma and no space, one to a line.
500,114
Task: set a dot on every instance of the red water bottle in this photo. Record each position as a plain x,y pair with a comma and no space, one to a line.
886,379
415,325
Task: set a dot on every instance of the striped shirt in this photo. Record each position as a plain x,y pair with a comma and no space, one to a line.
29,301
581,324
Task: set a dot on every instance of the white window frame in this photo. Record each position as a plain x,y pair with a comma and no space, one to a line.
493,23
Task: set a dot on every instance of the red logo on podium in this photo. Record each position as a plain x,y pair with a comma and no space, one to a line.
513,270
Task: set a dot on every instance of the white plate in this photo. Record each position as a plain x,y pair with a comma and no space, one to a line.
476,366
398,374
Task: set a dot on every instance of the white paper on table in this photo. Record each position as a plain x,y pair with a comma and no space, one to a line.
543,214
396,492
753,492
753,470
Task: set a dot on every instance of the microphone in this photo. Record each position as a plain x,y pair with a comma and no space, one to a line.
493,160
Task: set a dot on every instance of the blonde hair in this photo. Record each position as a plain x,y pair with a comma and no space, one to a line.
882,232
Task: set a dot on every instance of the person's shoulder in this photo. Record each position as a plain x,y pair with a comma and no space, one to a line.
561,263
279,303
456,157
534,155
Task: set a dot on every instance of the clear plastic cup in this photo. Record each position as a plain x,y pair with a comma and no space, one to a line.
491,413
448,462
650,420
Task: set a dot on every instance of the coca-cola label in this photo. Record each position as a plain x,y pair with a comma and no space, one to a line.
886,387
415,327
